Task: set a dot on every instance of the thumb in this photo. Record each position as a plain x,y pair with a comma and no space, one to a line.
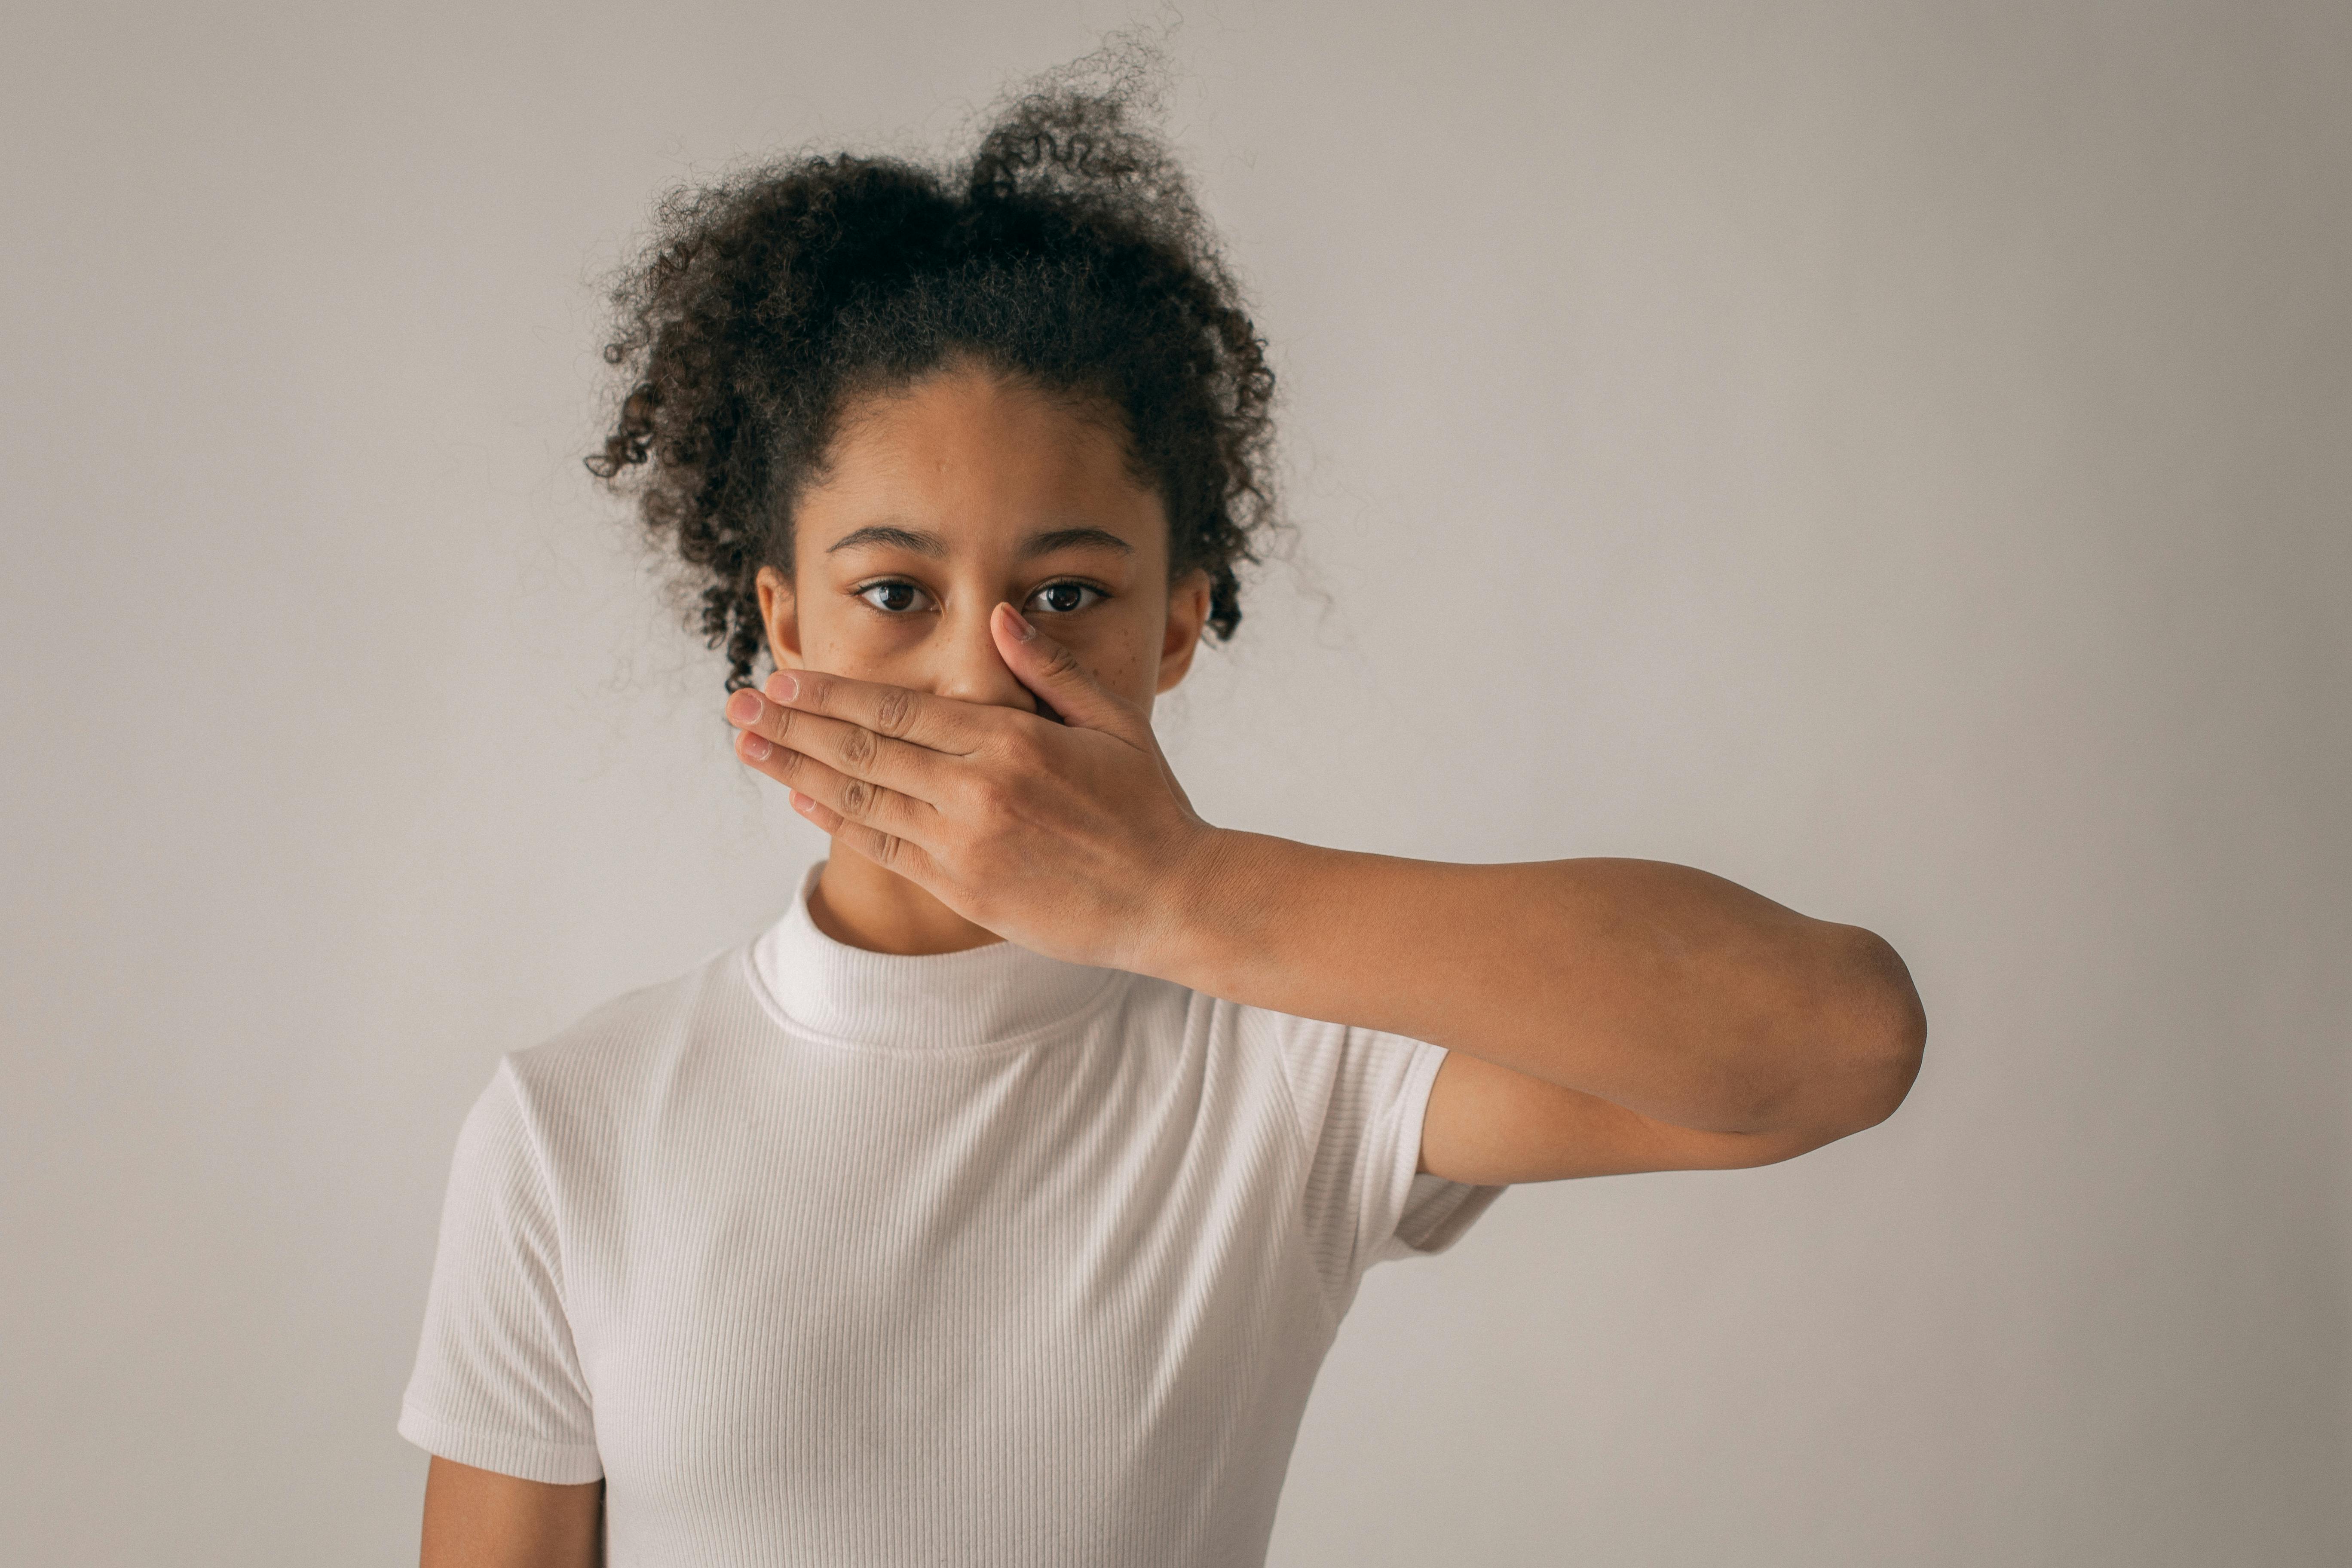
1053,672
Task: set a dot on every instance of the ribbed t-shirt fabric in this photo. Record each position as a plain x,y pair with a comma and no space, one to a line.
823,1257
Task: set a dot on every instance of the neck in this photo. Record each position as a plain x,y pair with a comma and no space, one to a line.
860,904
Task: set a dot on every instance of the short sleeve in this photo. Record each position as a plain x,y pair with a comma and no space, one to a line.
1360,1096
498,1382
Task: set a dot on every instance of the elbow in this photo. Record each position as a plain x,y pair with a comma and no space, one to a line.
1885,1028
1856,1036
1847,1035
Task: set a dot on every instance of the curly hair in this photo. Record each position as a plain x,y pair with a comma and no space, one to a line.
1066,252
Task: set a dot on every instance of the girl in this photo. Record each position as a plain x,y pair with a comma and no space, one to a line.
999,1203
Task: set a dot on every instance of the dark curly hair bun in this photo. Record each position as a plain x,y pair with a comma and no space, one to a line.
1067,251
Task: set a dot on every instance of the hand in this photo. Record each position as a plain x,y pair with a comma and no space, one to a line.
1072,839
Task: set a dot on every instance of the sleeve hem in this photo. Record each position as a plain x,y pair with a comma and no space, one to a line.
1429,1214
1387,1183
530,1459
1447,1222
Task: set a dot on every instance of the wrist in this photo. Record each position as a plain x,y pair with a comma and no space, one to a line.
1210,910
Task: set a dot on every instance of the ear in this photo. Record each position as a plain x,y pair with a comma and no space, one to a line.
1188,612
780,613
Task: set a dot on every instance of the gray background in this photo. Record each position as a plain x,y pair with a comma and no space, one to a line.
1895,456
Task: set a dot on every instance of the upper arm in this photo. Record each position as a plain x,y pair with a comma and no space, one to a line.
480,1519
1491,1126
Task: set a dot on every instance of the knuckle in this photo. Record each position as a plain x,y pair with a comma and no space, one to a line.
994,804
859,746
857,798
895,714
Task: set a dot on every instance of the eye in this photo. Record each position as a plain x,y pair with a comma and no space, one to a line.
894,595
1061,598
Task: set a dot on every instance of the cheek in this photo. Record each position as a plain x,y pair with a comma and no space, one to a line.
863,646
1123,658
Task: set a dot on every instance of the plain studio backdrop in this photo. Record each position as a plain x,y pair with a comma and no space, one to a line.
1895,456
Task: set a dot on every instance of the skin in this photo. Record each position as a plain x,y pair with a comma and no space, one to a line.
979,618
480,1519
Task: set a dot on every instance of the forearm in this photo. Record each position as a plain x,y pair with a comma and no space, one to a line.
1664,989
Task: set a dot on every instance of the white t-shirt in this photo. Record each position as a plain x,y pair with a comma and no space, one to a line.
821,1257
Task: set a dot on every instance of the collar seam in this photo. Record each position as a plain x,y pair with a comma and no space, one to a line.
773,1005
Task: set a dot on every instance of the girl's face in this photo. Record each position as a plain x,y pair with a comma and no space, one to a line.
963,489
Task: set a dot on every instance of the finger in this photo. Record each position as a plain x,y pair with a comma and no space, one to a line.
883,849
917,718
858,800
843,746
1054,673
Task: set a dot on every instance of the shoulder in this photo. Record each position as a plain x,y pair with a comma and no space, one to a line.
623,1048
1327,1069
1318,1047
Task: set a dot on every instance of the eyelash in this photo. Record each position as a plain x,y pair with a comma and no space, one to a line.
863,590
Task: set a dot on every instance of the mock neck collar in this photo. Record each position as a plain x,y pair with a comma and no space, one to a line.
995,995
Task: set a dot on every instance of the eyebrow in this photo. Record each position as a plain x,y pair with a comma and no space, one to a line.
1074,539
912,539
923,543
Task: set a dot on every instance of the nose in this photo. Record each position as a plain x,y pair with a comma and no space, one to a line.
966,664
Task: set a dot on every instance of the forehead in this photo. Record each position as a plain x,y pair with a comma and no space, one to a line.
980,460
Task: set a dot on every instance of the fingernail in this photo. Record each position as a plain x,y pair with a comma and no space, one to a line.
1022,630
743,708
756,747
783,687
